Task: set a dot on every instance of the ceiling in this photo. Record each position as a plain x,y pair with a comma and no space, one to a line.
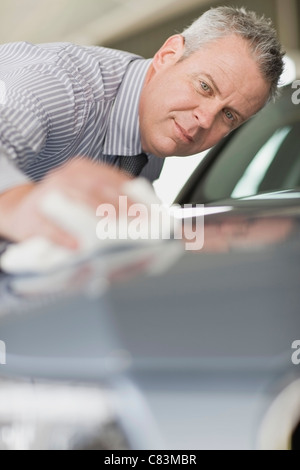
83,21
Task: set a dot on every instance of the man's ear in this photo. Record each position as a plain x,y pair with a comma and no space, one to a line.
170,52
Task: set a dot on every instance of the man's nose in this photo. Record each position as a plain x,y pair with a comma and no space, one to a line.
206,116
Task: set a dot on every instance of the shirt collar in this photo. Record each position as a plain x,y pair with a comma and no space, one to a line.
123,133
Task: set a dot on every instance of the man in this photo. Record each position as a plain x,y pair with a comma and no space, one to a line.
63,101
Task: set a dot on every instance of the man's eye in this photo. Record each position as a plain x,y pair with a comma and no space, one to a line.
204,86
229,115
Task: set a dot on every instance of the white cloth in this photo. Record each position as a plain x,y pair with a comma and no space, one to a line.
39,255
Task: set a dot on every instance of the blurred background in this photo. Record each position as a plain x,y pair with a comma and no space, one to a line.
140,26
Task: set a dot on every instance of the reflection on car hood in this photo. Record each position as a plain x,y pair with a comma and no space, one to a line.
242,290
231,225
279,195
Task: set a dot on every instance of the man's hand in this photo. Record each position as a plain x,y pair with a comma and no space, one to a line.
81,180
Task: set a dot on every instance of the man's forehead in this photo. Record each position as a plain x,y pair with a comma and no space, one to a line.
230,52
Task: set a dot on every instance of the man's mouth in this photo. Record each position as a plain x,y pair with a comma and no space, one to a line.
183,134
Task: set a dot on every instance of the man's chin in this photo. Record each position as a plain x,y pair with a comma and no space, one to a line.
170,148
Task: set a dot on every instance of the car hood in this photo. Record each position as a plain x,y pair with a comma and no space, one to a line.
233,303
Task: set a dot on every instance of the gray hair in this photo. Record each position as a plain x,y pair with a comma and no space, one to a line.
257,31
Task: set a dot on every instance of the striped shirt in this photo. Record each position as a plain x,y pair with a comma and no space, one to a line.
59,100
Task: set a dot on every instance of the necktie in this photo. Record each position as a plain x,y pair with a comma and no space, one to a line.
133,165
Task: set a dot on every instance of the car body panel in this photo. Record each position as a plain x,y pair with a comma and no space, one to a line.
207,341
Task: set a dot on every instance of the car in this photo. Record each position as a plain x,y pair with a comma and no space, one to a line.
158,347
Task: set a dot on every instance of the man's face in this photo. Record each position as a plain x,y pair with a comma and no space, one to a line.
188,105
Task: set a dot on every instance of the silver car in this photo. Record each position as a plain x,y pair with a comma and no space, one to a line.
157,347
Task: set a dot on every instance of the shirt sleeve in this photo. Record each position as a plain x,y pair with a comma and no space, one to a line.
21,138
10,175
23,125
36,102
